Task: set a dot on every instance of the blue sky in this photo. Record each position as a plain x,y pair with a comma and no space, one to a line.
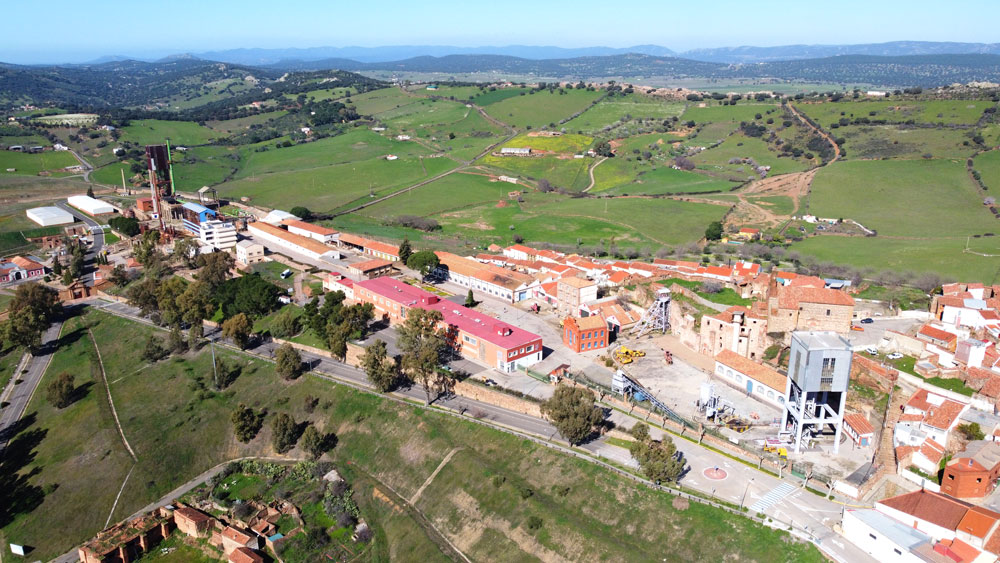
78,31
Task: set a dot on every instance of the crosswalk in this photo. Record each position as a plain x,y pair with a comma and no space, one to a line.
772,497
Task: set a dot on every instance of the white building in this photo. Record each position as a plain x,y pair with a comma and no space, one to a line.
48,216
515,151
249,252
89,205
297,244
337,282
312,231
508,179
218,234
276,216
758,380
884,538
402,137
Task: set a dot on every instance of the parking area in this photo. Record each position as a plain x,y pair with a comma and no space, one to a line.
872,333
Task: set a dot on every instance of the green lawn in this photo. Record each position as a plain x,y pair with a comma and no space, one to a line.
157,132
452,192
541,108
203,166
179,426
938,196
31,164
487,98
378,101
988,165
615,177
241,124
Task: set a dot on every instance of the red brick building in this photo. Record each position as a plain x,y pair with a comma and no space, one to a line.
472,334
583,334
974,472
192,522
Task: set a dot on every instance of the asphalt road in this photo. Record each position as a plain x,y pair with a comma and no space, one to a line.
98,235
812,515
17,395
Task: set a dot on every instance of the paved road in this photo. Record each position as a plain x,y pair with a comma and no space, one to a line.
98,235
17,395
87,168
811,514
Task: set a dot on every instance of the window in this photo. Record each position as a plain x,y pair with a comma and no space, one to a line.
828,312
718,370
951,477
829,365
770,394
872,536
979,479
898,552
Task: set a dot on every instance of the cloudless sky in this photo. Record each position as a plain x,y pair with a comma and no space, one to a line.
63,31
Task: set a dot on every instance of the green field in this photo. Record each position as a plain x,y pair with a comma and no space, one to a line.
240,124
361,146
568,173
329,187
729,114
988,165
897,111
612,111
500,94
460,93
179,426
665,180
894,141
943,255
452,192
541,108
157,132
716,160
938,196
26,164
378,101
568,144
203,166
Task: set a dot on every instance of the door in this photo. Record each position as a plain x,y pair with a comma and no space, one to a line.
749,386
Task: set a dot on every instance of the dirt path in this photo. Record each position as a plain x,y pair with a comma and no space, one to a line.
104,379
430,479
596,164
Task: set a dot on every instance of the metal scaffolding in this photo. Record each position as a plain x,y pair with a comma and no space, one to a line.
657,317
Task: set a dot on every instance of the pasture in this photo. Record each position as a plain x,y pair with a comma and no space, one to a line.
988,165
610,112
567,144
897,111
203,166
729,114
230,126
665,180
938,196
378,101
327,188
25,164
541,108
158,131
895,141
489,97
568,173
454,191
716,160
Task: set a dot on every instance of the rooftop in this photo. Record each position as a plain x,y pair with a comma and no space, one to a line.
470,321
578,283
318,229
821,340
752,369
859,423
790,297
307,243
587,323
370,265
897,532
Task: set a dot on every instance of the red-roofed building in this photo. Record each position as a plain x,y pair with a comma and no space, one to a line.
858,429
946,520
940,338
337,282
370,247
585,334
506,284
808,308
370,268
756,379
747,234
20,268
520,252
245,555
616,279
473,334
192,522
938,416
310,230
974,472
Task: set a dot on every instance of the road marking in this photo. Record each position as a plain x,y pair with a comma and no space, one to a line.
772,497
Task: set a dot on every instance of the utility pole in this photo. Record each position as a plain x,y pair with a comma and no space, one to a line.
745,492
215,372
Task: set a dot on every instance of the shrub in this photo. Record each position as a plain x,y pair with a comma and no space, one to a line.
534,523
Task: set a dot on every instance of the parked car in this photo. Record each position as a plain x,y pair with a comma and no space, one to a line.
871,351
858,328
868,320
894,356
490,383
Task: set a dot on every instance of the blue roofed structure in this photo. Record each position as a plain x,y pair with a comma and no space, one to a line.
194,214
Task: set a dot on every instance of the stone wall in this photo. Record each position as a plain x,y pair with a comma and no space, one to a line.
870,373
497,398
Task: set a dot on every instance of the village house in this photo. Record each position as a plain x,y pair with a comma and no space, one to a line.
572,292
508,285
249,252
372,248
791,308
616,316
921,434
757,380
19,268
370,268
337,282
924,526
585,334
472,334
318,232
305,246
973,473
858,429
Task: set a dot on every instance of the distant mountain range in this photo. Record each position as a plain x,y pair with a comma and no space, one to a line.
743,54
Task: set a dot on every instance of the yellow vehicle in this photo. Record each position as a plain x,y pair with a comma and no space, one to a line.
781,451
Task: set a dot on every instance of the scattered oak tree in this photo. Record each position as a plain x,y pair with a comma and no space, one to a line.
238,328
313,442
288,361
380,369
246,423
659,461
30,313
284,433
573,412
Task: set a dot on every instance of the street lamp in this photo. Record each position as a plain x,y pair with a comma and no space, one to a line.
745,493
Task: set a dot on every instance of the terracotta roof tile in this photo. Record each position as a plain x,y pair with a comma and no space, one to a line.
752,369
936,334
791,297
859,423
932,507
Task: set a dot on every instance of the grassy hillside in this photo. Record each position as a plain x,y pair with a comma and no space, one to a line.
157,132
481,500
540,108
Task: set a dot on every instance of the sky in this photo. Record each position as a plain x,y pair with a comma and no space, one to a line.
82,31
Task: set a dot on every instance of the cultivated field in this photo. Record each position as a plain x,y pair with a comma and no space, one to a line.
544,108
75,119
897,111
610,112
25,164
157,132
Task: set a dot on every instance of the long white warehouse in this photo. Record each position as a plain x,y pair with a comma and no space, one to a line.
90,205
48,216
299,244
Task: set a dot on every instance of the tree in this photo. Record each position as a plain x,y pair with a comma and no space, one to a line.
284,433
128,226
544,186
215,268
186,251
238,328
313,442
337,340
252,295
405,250
470,299
145,251
246,423
176,342
153,349
422,343
30,313
301,212
90,191
120,276
285,323
640,432
288,361
167,294
195,304
603,148
659,461
971,431
224,372
573,412
714,230
60,392
424,262
57,268
380,369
